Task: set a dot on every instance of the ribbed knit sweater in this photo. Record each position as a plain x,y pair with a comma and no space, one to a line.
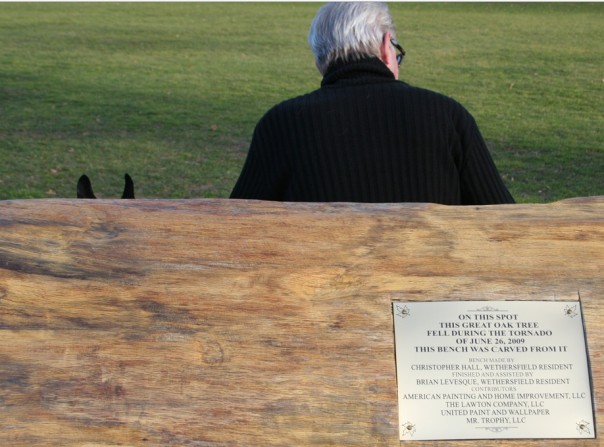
366,137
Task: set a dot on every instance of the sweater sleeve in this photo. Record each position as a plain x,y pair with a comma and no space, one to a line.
481,183
262,177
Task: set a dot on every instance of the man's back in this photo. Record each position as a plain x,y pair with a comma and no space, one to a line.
365,137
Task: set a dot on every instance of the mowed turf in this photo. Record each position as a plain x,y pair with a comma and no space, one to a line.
170,92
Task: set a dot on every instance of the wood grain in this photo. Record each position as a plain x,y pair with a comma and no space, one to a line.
242,323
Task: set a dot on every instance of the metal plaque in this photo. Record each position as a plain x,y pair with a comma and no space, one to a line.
492,370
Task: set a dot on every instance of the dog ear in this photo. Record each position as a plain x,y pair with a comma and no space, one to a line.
85,188
128,188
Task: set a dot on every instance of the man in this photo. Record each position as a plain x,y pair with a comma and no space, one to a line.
364,136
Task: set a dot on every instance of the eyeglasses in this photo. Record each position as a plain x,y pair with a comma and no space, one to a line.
401,53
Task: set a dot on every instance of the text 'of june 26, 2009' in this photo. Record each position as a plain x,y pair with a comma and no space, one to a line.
492,370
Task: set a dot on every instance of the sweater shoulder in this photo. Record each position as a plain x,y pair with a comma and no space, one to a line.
397,90
287,106
430,95
457,112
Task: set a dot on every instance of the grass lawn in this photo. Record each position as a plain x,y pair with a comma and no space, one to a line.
170,92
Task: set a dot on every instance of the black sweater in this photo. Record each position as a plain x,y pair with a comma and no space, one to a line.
366,137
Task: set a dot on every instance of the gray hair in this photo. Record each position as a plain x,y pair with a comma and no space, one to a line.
348,31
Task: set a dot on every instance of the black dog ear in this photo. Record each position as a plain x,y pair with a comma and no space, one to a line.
128,188
85,188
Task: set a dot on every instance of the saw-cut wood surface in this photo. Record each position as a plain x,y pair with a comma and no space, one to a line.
243,323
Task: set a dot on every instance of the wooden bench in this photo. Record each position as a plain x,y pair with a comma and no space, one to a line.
242,323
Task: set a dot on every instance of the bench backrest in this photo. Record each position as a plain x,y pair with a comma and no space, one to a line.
223,322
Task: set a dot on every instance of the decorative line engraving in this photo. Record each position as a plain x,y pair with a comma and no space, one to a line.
487,309
496,429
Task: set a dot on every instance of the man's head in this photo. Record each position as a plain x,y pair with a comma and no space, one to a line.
349,31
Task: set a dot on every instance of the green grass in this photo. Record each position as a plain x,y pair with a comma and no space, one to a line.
170,92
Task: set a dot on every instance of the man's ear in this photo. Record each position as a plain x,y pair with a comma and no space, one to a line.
388,55
385,53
